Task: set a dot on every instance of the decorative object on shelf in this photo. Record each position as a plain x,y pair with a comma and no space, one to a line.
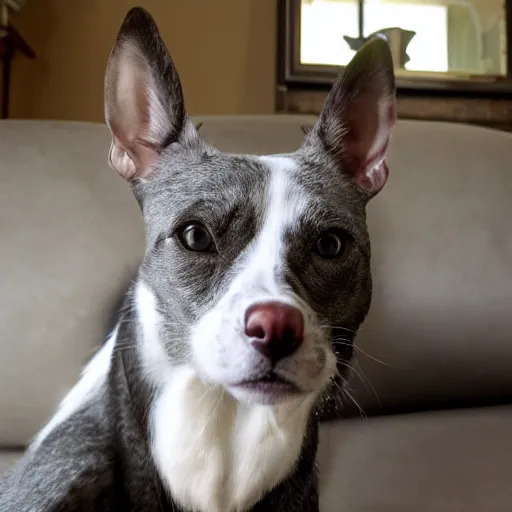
398,39
10,42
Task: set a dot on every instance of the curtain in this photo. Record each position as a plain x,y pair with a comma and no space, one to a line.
462,41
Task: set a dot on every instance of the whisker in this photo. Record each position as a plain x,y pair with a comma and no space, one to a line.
361,410
351,368
346,342
346,392
337,328
362,377
373,358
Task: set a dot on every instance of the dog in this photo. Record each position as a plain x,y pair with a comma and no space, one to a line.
205,396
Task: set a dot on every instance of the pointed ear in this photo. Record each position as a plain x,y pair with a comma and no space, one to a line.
144,105
355,124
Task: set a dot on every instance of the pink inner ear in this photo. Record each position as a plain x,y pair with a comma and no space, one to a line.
134,161
136,116
373,178
364,158
367,140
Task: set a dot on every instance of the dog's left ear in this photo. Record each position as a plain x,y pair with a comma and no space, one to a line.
144,105
355,124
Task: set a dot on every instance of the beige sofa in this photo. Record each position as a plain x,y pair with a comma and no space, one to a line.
434,365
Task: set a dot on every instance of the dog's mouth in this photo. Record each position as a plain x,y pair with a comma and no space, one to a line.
268,388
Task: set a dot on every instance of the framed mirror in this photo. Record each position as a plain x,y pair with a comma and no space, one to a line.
456,45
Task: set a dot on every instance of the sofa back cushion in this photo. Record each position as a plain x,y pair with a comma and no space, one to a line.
70,241
439,331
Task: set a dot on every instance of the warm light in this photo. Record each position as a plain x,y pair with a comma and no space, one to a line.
323,26
324,23
428,49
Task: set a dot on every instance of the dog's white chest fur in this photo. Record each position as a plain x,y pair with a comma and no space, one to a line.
217,455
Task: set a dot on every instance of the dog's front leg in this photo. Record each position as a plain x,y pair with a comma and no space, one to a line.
68,471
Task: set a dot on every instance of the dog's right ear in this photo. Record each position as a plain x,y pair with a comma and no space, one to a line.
144,105
355,125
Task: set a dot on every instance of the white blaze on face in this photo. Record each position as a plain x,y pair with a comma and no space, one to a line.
221,351
264,261
284,208
214,452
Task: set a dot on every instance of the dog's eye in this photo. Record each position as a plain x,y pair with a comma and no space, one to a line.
331,245
196,237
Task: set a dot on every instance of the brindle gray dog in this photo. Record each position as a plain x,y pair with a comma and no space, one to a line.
203,398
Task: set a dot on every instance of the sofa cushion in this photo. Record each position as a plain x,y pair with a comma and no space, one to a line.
429,462
71,238
417,462
8,459
439,332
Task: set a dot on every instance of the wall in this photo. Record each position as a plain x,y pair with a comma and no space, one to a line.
225,52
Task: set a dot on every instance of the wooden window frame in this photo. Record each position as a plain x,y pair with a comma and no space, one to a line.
294,74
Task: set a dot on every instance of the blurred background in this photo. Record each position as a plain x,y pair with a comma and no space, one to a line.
225,51
452,57
456,36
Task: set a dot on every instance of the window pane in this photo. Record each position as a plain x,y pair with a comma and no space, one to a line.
428,48
456,36
323,25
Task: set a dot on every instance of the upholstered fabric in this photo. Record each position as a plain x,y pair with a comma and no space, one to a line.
7,459
452,461
71,238
440,328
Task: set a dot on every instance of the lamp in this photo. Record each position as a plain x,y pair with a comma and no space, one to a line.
10,42
5,7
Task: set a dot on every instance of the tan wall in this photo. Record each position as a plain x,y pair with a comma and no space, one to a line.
225,52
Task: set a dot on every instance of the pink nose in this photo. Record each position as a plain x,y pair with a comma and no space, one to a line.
276,329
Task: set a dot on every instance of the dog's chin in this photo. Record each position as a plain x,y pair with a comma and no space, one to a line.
267,390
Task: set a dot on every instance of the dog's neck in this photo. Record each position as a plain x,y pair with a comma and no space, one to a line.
211,452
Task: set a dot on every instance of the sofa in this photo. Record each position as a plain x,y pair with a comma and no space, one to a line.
428,423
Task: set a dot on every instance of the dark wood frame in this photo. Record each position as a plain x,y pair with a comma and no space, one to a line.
293,74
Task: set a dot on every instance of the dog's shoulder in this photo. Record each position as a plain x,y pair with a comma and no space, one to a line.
71,469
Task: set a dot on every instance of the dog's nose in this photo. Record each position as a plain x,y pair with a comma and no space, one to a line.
276,329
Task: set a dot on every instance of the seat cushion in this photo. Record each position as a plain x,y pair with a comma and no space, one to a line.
456,461
8,458
453,461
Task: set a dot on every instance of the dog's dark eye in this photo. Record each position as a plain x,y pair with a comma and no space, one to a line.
196,237
331,245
